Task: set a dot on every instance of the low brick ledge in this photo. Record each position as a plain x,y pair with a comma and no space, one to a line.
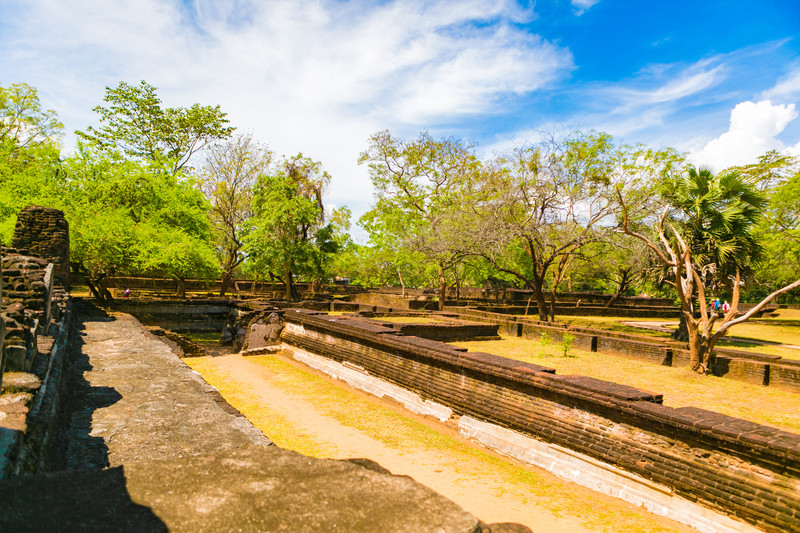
776,448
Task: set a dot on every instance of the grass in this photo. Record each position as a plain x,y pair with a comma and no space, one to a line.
401,433
785,329
280,429
679,385
614,323
203,336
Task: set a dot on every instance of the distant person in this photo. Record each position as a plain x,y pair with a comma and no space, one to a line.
726,307
126,293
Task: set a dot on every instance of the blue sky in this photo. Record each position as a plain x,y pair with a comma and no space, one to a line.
717,79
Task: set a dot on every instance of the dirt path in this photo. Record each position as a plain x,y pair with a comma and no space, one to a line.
480,486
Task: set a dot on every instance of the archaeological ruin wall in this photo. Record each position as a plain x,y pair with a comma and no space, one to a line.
37,326
725,464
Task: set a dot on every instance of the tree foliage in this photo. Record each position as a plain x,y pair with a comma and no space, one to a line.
422,187
127,217
705,238
23,122
554,198
227,178
29,155
288,235
135,124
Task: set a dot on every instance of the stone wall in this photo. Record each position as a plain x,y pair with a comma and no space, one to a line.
731,465
37,334
43,232
744,366
27,284
178,315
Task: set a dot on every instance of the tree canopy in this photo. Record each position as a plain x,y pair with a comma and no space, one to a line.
288,235
135,124
230,172
140,201
705,238
423,190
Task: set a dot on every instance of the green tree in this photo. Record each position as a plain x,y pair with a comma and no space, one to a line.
615,264
288,234
128,217
227,178
705,239
779,229
422,188
167,250
135,124
554,198
23,122
29,155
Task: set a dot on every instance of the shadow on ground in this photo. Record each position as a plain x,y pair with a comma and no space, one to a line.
73,500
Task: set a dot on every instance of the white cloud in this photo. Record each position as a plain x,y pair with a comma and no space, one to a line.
581,6
754,128
662,85
787,87
316,76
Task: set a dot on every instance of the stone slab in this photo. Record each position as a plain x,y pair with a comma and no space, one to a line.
250,489
135,400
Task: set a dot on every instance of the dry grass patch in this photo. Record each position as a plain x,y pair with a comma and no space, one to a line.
277,427
679,385
615,323
393,429
785,329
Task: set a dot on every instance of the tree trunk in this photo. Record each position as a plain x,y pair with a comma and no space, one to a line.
538,293
316,287
442,287
621,287
682,333
402,284
289,286
180,287
552,315
699,350
227,281
102,286
98,288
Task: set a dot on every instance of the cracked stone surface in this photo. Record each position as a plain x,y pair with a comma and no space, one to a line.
153,447
134,400
252,489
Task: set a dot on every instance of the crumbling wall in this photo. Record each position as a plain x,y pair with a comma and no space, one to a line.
26,296
36,335
43,232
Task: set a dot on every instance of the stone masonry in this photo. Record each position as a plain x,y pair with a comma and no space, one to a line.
43,232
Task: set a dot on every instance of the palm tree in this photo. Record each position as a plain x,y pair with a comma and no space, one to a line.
705,240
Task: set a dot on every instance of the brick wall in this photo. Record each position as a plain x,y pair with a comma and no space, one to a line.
749,367
734,466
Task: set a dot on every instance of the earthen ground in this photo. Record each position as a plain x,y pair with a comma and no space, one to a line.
493,490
